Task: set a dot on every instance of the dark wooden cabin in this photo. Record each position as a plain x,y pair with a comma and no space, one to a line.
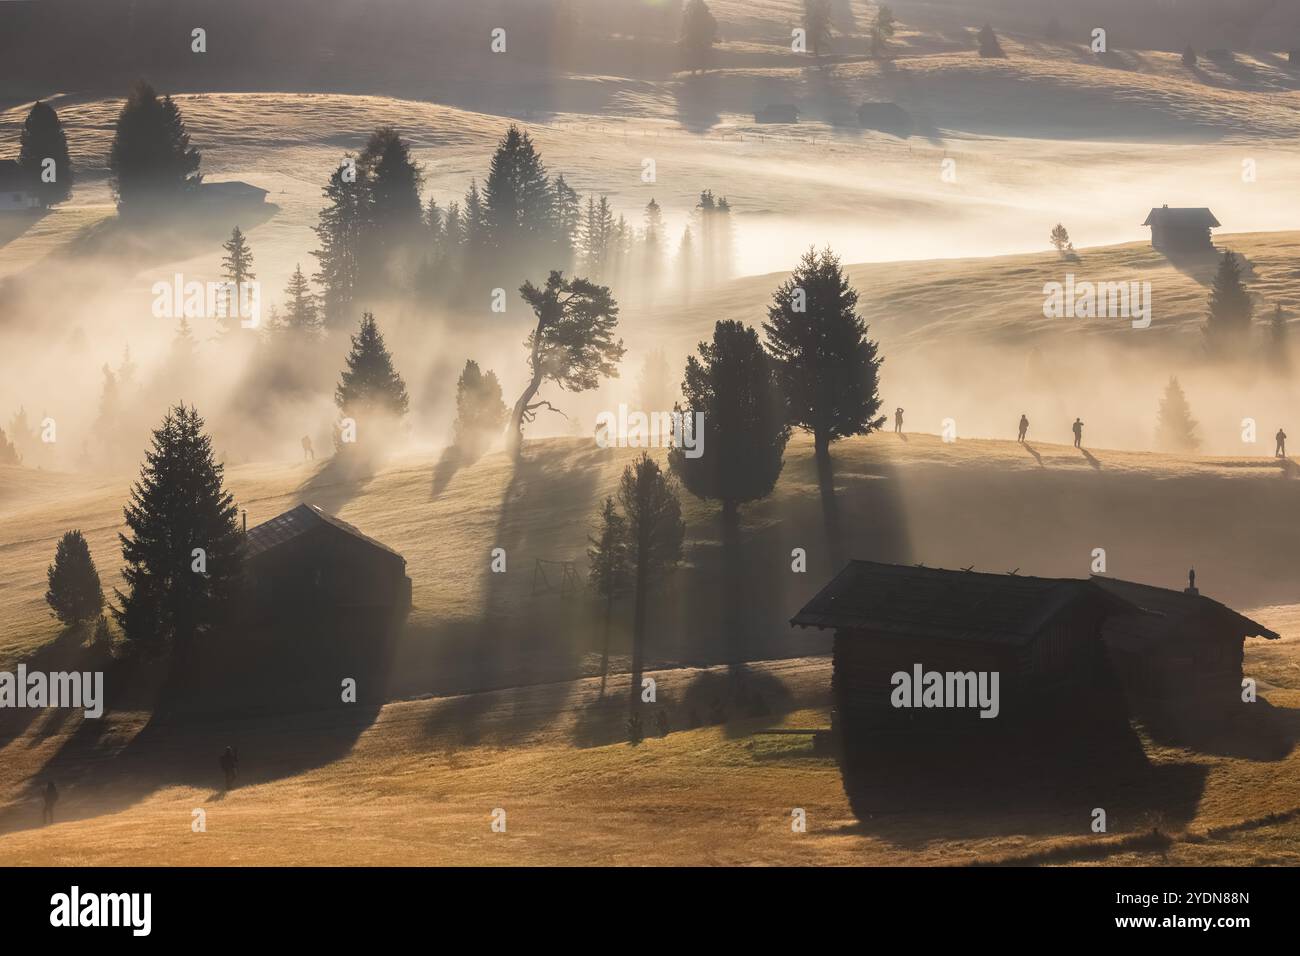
309,566
1183,654
1181,230
886,117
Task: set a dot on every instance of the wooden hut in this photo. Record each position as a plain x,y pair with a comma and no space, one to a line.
1181,230
886,117
308,566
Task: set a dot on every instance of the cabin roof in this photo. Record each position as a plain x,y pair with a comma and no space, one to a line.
952,605
1181,218
299,521
1173,608
231,188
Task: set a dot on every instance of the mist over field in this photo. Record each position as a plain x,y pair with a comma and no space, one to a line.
698,189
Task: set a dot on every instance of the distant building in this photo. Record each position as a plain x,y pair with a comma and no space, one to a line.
233,192
886,117
1181,230
777,113
17,191
306,565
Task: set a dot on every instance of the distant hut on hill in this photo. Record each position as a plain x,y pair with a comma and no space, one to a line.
232,193
306,565
777,113
886,117
1184,230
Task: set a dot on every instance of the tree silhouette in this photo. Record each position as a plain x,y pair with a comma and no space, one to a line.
566,212
370,383
817,26
597,237
1175,427
609,573
518,202
882,31
572,344
394,213
655,532
480,412
988,43
1060,238
826,366
74,592
1227,325
699,33
151,160
178,505
8,452
653,244
1189,56
300,313
236,269
43,139
1279,341
342,230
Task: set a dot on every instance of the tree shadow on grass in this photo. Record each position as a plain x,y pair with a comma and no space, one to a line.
337,481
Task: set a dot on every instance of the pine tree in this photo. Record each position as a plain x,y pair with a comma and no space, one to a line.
74,594
393,180
734,385
474,228
705,210
990,48
699,33
370,382
22,434
300,313
597,237
572,344
1060,238
517,202
653,245
825,365
151,160
817,25
236,269
609,574
1189,57
655,532
882,31
43,139
724,241
1227,325
686,264
1176,429
183,549
343,227
567,214
8,453
480,412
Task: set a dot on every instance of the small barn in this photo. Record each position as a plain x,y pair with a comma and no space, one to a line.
1185,230
777,113
885,117
1183,654
308,566
17,192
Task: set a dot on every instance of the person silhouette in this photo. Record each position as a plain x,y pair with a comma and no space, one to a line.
1280,451
898,420
1078,433
230,766
51,798
1024,428
307,451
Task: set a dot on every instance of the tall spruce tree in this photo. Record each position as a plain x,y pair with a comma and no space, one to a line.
342,230
882,31
151,159
300,312
75,595
989,46
1175,427
183,549
817,25
43,154
655,531
480,412
1227,326
236,269
699,33
518,202
566,211
598,238
609,574
653,244
571,344
8,451
392,242
370,383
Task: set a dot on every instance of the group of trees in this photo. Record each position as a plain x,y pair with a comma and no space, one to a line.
1230,321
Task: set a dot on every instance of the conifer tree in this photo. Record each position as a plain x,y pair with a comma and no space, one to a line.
518,199
567,215
183,550
1227,325
370,382
300,313
8,452
817,25
989,46
151,159
480,412
342,230
1176,429
609,574
41,140
699,33
74,594
236,269
882,31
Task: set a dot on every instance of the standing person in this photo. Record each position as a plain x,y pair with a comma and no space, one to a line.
1024,428
1078,433
1280,451
898,420
230,766
307,452
51,798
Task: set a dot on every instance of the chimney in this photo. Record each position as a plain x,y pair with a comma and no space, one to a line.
245,514
1191,583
